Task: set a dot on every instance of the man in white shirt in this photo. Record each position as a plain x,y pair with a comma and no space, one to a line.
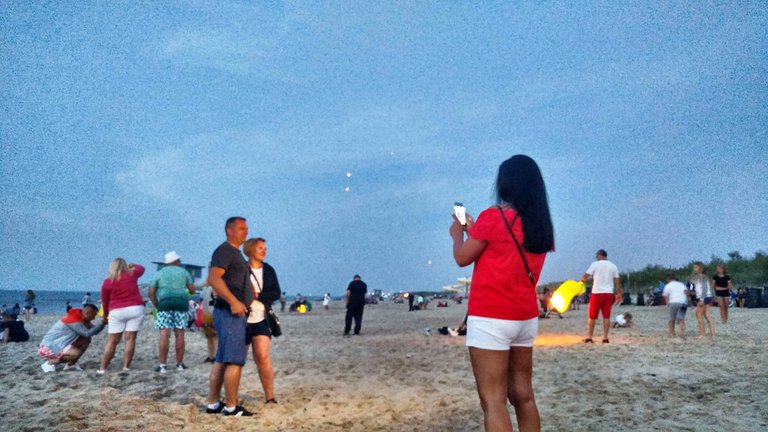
676,296
605,277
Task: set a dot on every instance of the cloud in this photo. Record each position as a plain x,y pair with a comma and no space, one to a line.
158,175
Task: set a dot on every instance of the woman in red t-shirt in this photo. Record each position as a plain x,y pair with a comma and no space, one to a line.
123,309
503,311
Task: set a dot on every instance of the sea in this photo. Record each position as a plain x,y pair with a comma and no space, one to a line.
48,302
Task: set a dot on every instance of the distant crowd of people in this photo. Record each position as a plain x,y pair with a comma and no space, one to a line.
699,293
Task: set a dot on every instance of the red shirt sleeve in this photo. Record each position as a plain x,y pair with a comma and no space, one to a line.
138,270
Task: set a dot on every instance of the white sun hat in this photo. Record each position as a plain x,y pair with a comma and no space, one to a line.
172,256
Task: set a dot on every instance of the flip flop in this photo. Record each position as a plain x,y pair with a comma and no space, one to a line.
605,340
588,340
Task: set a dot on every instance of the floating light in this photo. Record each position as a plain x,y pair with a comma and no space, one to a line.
561,298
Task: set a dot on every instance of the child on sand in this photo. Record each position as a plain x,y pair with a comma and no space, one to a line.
623,320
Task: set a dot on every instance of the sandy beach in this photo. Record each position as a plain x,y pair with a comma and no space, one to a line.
396,378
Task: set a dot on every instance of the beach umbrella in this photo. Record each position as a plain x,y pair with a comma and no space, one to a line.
453,288
561,299
466,282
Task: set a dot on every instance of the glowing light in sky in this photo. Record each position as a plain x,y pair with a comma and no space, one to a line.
429,262
346,189
349,174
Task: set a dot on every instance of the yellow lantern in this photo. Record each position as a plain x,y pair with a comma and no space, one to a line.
301,309
561,299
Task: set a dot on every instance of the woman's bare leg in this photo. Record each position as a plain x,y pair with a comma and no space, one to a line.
130,348
264,365
109,349
722,303
491,369
520,389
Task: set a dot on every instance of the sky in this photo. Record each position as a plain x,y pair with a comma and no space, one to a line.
135,128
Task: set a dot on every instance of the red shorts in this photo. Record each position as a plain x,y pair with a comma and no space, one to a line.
600,303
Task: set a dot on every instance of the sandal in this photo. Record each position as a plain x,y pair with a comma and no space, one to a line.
605,340
271,401
588,340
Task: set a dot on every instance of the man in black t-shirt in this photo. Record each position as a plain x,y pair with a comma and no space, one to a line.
355,304
228,276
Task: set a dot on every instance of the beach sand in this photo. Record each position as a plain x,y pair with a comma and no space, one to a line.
396,378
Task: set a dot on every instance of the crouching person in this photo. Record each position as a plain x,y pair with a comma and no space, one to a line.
68,339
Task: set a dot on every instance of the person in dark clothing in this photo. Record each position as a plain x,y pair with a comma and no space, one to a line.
411,297
266,290
228,276
355,304
12,330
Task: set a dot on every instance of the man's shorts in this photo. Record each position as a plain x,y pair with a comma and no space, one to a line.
600,303
677,311
260,328
500,335
171,320
50,355
126,319
231,331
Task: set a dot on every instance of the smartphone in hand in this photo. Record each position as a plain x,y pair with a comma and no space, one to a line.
460,212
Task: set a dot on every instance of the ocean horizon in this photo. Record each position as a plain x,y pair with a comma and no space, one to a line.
55,301
48,301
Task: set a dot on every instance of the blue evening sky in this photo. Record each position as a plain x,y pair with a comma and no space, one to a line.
134,128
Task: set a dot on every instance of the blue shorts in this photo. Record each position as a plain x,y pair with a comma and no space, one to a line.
231,331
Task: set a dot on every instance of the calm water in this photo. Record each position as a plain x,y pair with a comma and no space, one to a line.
47,301
56,301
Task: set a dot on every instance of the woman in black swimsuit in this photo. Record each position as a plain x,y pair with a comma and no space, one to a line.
723,285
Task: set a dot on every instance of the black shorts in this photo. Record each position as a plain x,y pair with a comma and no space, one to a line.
723,293
256,329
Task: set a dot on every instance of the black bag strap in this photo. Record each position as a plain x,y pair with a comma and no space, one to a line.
255,278
519,249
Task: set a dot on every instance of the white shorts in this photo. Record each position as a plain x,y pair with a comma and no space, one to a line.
126,319
498,334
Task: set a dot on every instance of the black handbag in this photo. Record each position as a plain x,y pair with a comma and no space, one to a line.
273,322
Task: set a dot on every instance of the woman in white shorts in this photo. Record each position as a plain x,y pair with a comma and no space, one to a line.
508,245
123,308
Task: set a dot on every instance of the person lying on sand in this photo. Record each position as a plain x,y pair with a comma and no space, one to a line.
460,330
623,320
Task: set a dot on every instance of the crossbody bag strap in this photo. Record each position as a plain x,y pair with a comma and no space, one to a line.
519,249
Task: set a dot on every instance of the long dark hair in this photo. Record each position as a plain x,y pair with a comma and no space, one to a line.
520,185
